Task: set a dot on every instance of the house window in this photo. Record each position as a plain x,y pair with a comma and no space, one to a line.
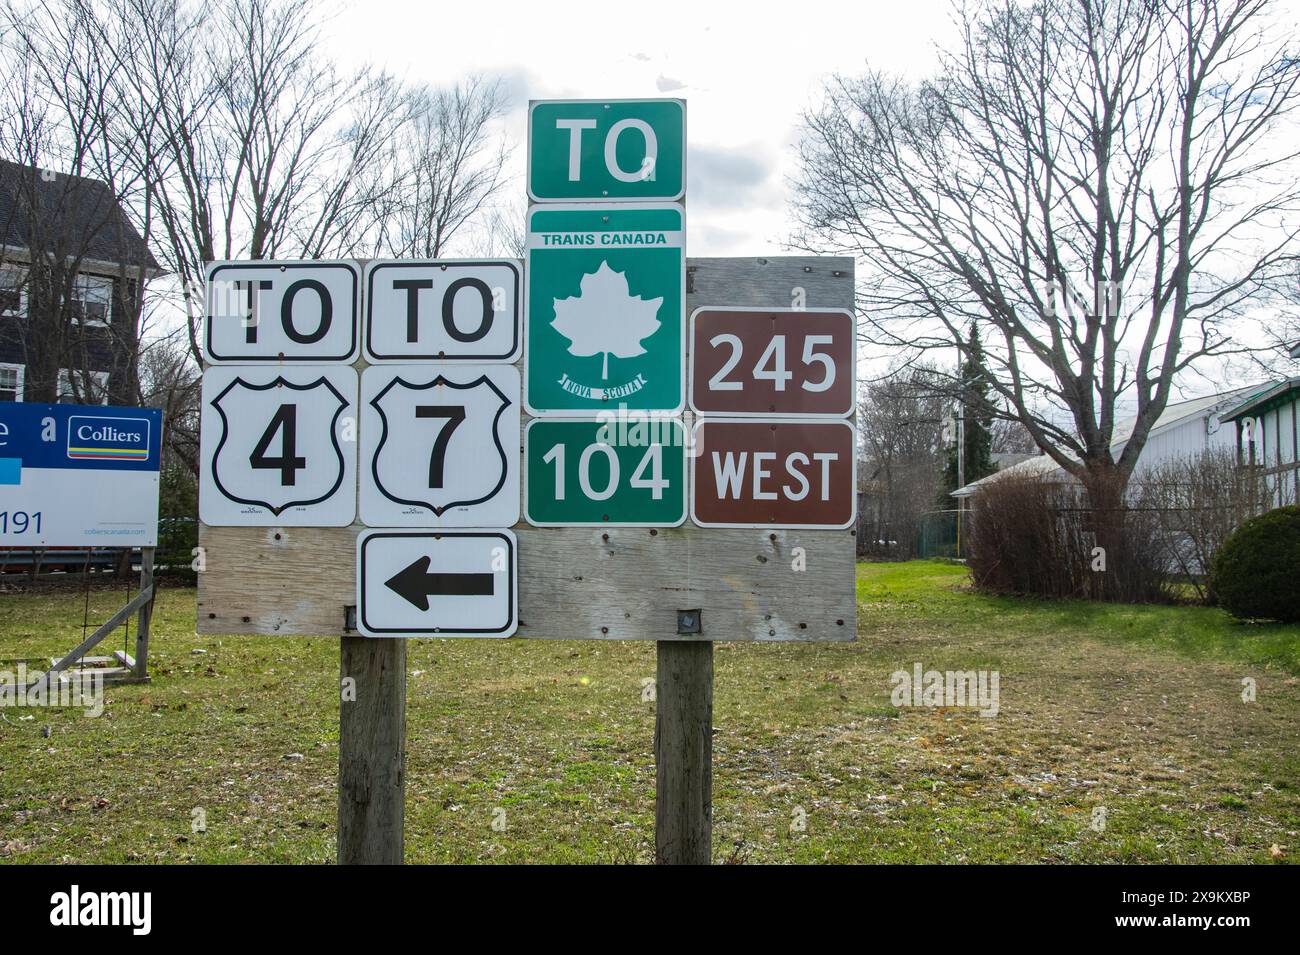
91,296
92,387
12,293
11,382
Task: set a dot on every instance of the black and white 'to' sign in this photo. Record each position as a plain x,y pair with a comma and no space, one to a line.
440,445
440,310
281,311
278,446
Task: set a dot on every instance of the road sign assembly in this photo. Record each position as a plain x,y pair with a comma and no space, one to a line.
547,448
78,476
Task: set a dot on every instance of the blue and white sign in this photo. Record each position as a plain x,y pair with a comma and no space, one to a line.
78,475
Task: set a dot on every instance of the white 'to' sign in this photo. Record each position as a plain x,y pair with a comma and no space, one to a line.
440,446
278,446
281,311
437,310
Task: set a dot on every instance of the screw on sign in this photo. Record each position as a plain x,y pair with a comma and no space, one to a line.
606,308
630,474
772,362
797,474
442,310
606,149
281,311
440,445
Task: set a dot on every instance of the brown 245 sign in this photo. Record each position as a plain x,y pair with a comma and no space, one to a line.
779,362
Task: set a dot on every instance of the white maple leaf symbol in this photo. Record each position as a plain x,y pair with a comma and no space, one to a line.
605,318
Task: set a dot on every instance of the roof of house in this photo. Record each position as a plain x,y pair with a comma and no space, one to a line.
1265,399
1174,414
82,213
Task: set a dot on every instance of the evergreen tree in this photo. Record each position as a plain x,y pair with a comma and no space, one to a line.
973,391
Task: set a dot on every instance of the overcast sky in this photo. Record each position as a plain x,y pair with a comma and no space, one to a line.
745,70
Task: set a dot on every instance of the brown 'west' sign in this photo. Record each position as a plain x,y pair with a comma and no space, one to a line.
772,362
773,474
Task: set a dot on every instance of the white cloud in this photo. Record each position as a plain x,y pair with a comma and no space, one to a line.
750,77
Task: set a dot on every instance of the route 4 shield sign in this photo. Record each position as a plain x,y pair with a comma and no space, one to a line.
278,446
440,445
450,584
605,313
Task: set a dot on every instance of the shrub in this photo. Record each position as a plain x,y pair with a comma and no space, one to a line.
1030,535
1198,501
1256,570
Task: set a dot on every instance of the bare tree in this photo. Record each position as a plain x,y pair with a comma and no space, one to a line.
1012,437
171,381
900,420
1098,183
64,197
267,150
449,164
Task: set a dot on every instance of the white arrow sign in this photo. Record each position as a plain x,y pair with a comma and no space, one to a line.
278,446
449,584
440,446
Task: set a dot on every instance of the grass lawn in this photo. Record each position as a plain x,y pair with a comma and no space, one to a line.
1136,710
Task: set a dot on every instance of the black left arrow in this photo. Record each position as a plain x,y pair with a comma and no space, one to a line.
416,585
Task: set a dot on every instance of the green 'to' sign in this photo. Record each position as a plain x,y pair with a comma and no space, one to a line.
618,470
606,149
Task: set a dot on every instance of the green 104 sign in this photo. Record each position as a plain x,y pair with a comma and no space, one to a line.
605,471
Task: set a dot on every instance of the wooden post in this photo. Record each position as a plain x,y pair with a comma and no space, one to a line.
684,753
144,615
372,751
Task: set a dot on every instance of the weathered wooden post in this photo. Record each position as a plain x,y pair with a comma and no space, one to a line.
144,617
372,750
684,753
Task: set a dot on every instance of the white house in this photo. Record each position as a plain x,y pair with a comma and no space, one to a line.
1186,429
1267,436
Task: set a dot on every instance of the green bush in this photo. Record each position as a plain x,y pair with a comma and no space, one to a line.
1257,570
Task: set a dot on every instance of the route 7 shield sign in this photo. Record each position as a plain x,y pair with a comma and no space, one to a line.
440,445
278,446
605,309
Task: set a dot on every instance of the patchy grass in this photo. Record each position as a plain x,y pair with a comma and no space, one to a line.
1131,713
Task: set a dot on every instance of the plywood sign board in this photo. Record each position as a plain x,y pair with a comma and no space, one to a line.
596,581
